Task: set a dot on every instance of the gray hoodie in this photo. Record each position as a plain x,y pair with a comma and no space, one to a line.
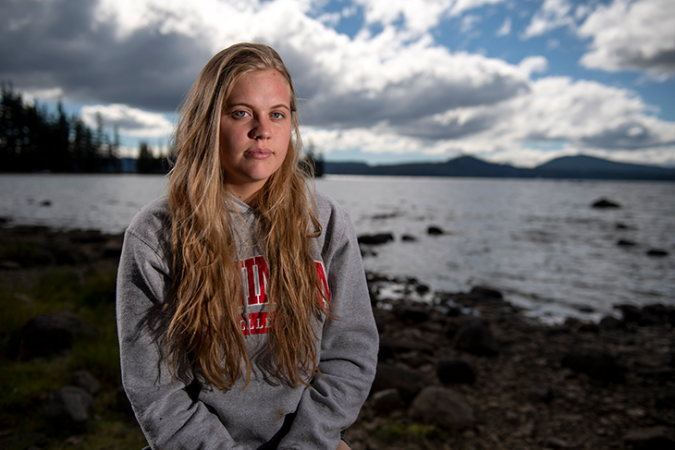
186,413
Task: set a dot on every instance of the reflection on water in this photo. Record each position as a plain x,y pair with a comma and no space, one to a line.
539,241
102,202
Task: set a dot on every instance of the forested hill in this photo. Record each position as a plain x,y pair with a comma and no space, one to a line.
467,166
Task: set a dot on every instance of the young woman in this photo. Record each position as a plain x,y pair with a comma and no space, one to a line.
243,315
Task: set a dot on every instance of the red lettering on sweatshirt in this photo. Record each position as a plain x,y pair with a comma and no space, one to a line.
323,281
254,276
254,280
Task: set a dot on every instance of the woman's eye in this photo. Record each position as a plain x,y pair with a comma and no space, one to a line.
277,115
239,114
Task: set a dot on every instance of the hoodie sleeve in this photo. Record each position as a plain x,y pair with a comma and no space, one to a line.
349,346
169,418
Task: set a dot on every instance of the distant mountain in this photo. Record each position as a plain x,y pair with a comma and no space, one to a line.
464,166
582,166
468,166
585,163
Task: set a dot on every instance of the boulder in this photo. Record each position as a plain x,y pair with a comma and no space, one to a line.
476,337
389,348
540,394
387,400
69,407
442,407
68,254
48,334
375,239
657,313
597,364
435,231
412,315
653,438
456,370
631,313
611,323
408,382
87,237
657,252
85,380
556,443
112,249
604,203
625,243
485,292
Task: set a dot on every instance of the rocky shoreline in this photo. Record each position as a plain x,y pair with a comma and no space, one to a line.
463,370
475,364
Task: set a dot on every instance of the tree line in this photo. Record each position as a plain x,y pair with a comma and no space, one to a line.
34,140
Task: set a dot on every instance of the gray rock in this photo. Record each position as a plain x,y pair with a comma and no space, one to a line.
7,264
556,443
596,363
539,393
412,315
485,292
442,407
85,380
653,438
408,382
375,239
435,231
625,243
48,334
456,370
112,248
387,400
69,407
604,203
476,338
611,323
657,252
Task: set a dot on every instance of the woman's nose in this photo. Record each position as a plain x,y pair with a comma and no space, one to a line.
261,130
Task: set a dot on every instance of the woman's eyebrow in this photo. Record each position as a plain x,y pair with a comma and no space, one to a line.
280,105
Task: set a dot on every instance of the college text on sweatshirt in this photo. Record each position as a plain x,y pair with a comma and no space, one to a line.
254,275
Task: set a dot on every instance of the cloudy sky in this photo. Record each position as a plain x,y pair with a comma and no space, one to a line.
381,81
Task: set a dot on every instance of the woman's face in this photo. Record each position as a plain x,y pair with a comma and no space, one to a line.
255,129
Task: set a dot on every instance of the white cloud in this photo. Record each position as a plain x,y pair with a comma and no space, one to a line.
130,121
533,64
418,16
395,91
469,21
575,117
48,94
388,93
505,29
636,35
553,14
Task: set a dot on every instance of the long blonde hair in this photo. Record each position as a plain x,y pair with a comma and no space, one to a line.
207,295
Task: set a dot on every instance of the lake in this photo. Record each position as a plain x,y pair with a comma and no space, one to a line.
538,241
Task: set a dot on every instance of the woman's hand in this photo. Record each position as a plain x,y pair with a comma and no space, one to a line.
343,446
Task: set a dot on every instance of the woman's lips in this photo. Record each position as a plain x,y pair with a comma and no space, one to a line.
258,153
